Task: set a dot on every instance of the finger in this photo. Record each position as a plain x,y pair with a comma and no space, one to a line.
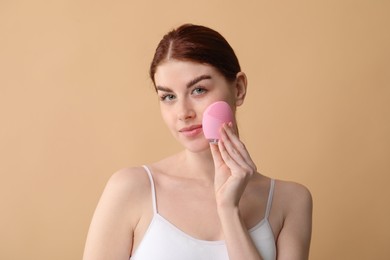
236,148
230,157
217,158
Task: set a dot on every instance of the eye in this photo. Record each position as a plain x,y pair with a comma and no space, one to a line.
167,97
199,91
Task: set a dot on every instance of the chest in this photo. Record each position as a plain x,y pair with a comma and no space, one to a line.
193,209
165,241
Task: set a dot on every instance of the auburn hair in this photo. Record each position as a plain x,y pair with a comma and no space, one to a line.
197,43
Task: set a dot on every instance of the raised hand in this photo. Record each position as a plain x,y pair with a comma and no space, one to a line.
233,168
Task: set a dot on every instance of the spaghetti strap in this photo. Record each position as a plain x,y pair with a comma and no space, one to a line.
152,187
270,196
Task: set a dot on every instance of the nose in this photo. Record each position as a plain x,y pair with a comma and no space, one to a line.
185,111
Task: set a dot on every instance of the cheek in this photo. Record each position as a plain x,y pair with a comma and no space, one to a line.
165,115
227,93
223,96
230,99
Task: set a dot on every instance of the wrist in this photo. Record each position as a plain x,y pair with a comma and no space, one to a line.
228,211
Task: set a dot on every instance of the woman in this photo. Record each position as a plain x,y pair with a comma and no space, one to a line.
208,201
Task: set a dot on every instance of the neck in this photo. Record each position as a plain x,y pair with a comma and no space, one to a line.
200,165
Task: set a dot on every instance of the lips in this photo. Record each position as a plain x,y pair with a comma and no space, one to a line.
190,128
191,131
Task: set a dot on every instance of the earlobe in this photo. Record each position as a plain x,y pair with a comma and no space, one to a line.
241,85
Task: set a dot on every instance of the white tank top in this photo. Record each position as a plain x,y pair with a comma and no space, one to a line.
164,241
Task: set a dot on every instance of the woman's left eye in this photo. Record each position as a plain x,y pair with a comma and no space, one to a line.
199,91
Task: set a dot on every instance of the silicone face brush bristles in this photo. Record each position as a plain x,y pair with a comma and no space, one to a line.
214,117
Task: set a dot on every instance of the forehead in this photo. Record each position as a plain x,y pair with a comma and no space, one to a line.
177,72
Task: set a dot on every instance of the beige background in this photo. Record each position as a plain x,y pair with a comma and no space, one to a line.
76,105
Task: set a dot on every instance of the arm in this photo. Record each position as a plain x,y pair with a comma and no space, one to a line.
238,241
111,228
233,169
294,238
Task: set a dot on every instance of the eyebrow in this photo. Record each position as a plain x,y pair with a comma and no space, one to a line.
188,85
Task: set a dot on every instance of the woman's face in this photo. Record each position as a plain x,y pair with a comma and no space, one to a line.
185,89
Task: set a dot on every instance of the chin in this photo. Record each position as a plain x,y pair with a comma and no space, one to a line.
196,146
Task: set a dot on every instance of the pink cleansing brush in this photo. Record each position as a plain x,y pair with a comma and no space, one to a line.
213,117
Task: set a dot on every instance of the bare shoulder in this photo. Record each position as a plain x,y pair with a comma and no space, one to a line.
129,180
293,195
294,219
116,216
128,186
292,189
125,193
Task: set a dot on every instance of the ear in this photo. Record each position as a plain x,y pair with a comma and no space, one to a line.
240,86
